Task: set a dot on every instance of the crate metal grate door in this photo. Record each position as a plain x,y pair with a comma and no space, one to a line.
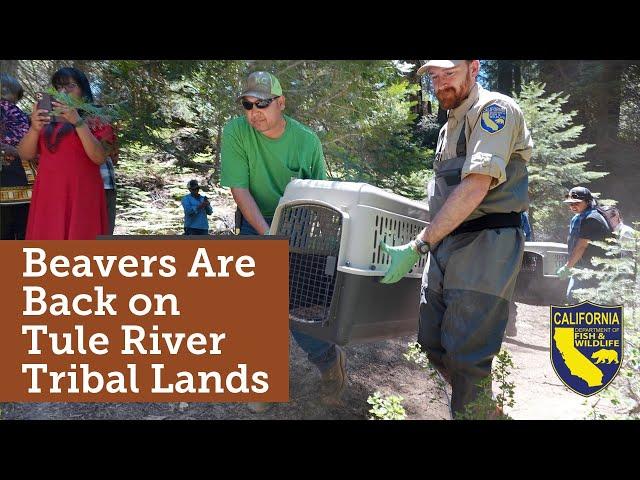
314,233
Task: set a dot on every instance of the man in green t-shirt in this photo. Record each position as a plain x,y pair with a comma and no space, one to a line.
262,152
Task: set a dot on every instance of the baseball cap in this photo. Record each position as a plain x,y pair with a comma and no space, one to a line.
438,63
262,85
192,184
578,194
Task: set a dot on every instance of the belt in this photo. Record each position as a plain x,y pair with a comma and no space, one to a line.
491,220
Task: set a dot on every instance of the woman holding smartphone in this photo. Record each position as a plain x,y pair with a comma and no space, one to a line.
68,201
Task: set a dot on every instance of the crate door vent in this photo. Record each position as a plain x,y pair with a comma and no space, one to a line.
314,233
393,232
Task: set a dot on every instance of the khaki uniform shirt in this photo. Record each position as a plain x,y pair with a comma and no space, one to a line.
490,142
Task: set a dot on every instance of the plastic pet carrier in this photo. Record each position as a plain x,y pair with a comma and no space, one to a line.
537,282
335,260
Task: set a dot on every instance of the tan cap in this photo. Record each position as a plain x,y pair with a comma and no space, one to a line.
438,63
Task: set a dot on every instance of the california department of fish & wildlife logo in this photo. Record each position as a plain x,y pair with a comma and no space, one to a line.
493,118
586,345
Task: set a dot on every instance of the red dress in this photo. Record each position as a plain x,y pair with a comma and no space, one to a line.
68,201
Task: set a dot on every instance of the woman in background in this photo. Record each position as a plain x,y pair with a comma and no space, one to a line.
16,174
68,201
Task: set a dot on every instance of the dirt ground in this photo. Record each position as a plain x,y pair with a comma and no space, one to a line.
539,393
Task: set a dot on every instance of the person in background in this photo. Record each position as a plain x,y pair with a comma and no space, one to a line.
625,234
587,225
196,208
16,175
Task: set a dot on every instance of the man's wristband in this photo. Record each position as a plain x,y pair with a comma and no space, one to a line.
79,123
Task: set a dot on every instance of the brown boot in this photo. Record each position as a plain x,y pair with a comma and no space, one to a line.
334,380
497,414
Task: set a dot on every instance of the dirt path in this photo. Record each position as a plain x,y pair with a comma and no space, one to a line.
539,394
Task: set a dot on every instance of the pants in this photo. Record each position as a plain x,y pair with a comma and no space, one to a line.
322,354
464,306
110,195
13,221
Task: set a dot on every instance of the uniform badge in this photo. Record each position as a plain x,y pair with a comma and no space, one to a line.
493,118
586,345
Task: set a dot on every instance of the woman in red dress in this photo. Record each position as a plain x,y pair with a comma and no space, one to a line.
68,201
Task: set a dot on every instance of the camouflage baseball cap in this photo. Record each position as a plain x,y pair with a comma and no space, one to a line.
578,194
438,63
261,85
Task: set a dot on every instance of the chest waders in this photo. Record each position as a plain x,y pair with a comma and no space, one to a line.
472,273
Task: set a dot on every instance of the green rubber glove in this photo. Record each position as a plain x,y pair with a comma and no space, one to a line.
403,258
564,272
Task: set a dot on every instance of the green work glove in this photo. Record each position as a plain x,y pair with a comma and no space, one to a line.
403,258
564,272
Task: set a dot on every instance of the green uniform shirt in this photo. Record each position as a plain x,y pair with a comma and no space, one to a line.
265,166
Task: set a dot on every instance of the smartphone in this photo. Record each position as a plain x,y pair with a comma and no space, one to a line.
44,103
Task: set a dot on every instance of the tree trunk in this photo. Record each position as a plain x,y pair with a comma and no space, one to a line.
608,117
505,76
412,77
517,77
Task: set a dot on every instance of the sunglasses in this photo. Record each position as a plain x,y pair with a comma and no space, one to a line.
259,104
574,196
67,86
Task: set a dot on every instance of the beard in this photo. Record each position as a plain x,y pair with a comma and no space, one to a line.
451,97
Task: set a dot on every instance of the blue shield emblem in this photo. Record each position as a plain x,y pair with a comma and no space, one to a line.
586,345
493,118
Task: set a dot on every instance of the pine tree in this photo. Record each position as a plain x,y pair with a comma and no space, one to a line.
619,284
557,161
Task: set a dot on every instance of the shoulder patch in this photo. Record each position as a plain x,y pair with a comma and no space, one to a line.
493,118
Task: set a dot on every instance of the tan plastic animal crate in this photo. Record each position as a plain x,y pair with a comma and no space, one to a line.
335,261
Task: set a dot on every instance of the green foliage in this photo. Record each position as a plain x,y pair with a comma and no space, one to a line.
630,107
360,110
106,114
386,408
484,407
501,372
415,355
619,284
557,161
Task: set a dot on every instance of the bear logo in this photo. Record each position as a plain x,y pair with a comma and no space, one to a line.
603,355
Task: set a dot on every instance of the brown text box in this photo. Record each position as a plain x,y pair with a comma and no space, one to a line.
251,312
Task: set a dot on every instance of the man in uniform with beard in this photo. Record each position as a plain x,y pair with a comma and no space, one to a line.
474,237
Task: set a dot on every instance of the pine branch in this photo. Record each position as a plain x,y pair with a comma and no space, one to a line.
106,114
